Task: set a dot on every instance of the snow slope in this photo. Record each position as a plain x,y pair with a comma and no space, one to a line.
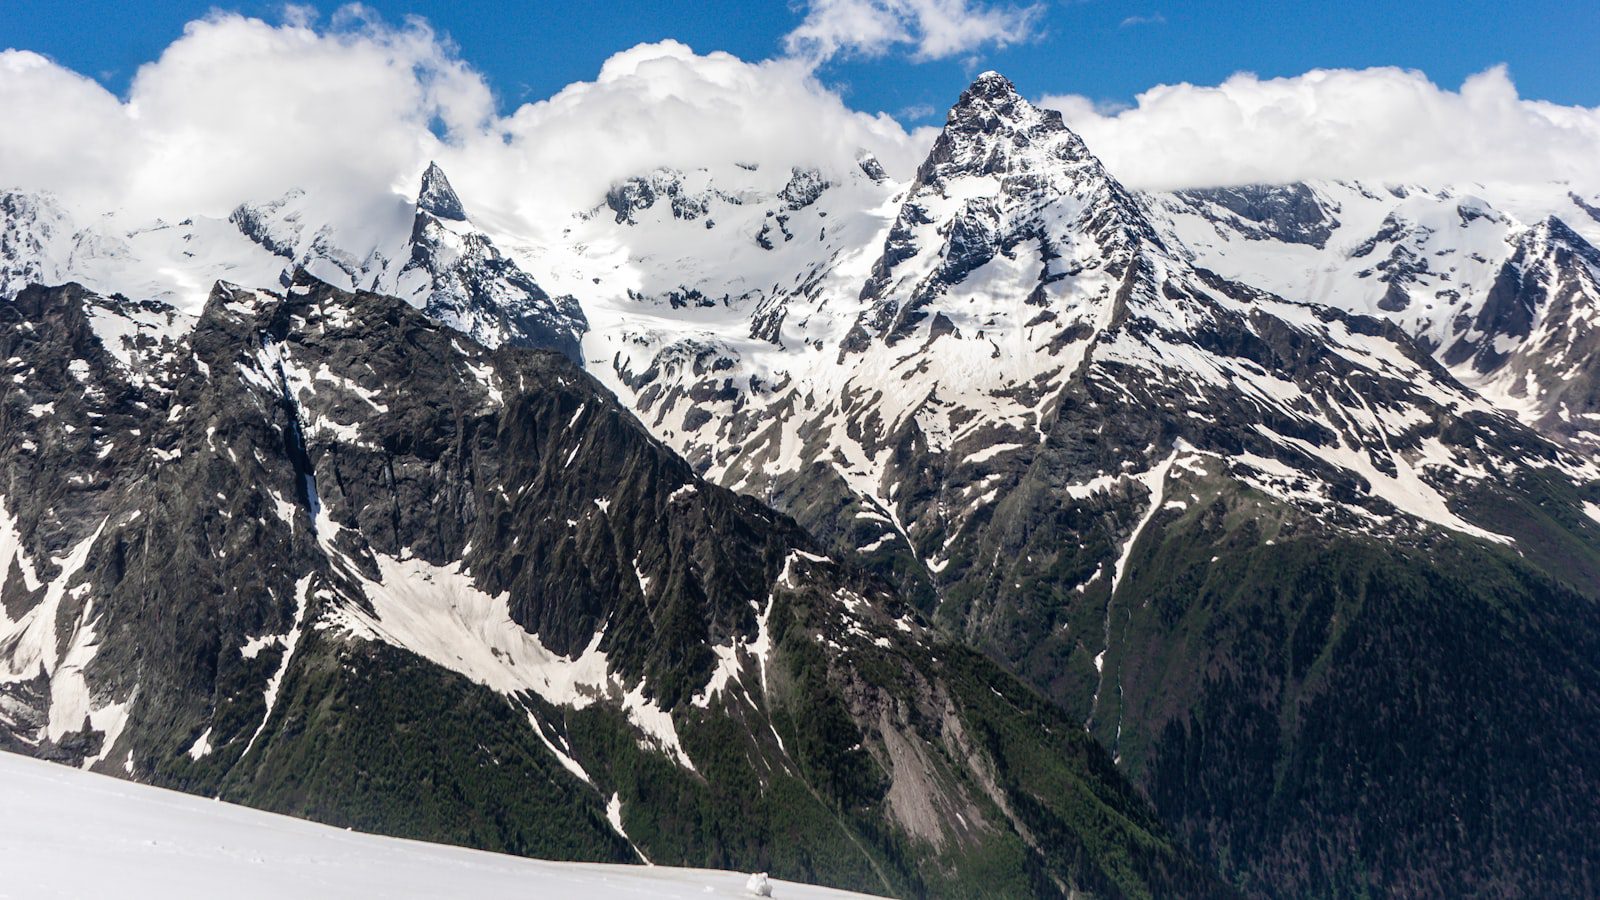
66,833
1501,284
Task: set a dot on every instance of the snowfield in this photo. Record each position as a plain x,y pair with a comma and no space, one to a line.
71,834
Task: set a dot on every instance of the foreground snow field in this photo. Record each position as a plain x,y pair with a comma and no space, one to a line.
67,833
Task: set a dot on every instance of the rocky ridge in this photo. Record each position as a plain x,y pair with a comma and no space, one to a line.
322,537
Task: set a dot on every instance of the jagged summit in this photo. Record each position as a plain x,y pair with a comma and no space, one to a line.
455,273
1554,228
992,130
991,101
437,197
989,84
1002,175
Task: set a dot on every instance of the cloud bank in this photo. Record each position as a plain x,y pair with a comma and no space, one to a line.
1384,124
240,110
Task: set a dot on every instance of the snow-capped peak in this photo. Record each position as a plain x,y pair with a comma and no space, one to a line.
437,197
456,273
992,130
1002,176
989,84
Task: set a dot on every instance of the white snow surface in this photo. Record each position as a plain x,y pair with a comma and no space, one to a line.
176,264
70,834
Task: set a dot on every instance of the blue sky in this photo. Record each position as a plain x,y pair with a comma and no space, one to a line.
1105,49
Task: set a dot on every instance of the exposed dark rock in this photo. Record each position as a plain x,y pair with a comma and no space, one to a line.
437,198
1292,213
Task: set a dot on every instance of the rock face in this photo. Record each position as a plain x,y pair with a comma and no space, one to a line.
327,556
437,198
1291,213
1536,338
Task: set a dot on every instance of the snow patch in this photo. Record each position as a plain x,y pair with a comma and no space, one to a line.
289,641
202,745
437,613
614,816
32,644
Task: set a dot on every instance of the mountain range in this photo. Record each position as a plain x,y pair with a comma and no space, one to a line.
1001,530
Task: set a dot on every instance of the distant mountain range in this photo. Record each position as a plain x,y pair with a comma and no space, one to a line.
1001,531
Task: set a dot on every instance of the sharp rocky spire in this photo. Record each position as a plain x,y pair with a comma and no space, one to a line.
437,197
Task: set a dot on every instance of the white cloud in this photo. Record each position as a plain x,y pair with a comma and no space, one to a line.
60,129
930,29
1383,124
1152,19
664,105
237,109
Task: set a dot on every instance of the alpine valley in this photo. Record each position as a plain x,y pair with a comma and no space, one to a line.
995,530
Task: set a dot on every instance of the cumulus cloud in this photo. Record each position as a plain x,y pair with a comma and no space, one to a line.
238,109
1383,124
61,130
929,29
